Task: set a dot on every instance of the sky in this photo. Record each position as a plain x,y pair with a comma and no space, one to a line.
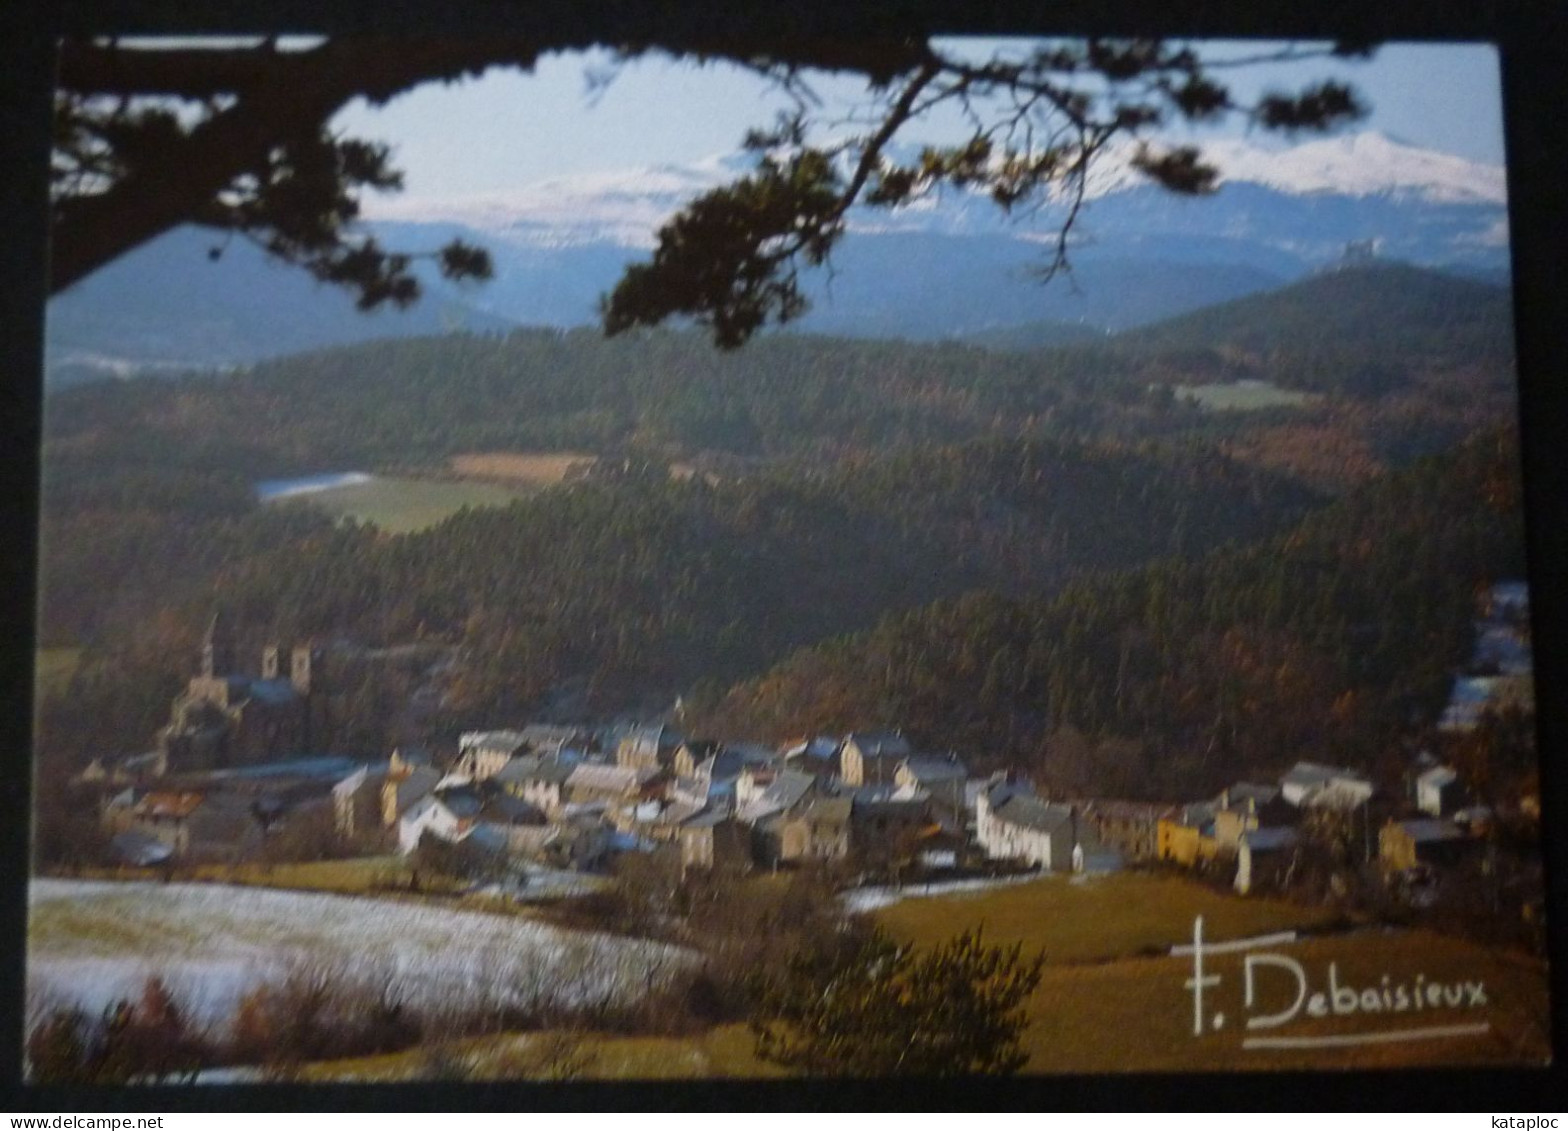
507,128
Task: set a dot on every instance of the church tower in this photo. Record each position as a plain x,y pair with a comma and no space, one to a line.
299,671
217,650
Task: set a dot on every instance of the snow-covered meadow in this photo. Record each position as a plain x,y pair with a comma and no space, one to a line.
94,942
862,900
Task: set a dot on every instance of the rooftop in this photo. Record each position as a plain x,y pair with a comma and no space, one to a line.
1029,811
885,744
928,769
1431,831
1269,840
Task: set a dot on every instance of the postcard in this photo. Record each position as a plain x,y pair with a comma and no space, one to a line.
739,560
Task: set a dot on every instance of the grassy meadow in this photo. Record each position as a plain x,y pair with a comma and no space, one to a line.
1122,915
403,505
1112,999
724,1051
522,469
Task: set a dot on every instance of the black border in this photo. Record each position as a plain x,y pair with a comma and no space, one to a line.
1533,38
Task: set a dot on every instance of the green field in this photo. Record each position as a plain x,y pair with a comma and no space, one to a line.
1112,999
1103,917
55,667
725,1051
401,505
1242,396
1136,1015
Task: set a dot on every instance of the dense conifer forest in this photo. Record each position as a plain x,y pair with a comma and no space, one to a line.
1051,558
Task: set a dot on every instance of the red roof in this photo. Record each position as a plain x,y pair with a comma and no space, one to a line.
173,805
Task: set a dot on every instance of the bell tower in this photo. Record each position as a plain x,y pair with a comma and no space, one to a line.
217,650
299,669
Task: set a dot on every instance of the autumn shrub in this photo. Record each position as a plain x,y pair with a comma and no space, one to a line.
149,1039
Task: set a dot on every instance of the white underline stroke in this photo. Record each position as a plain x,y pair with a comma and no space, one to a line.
1391,1037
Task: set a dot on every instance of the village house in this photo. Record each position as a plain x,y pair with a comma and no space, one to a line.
136,769
541,782
1131,827
450,815
691,754
138,850
163,815
1263,858
482,754
752,782
712,839
354,802
787,790
883,822
818,830
548,739
580,841
648,748
521,828
1339,787
659,822
1404,844
818,756
872,758
698,792
942,778
403,787
1187,839
194,826
1011,823
1438,791
1246,807
613,785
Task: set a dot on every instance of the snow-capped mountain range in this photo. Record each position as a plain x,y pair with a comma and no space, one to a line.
625,207
951,265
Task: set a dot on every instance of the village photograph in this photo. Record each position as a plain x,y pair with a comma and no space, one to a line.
749,556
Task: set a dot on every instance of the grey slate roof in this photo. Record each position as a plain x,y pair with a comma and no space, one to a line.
510,810
1030,812
587,775
820,748
276,691
139,849
880,743
827,811
1244,791
1432,831
932,769
520,771
419,783
547,736
461,802
1314,773
506,741
706,819
785,793
1270,840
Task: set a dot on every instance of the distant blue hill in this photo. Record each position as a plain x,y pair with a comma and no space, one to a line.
1140,256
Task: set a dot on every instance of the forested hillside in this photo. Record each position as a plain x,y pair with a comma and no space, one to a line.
646,586
1328,641
857,483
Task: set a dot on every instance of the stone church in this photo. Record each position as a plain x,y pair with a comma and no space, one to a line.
226,718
